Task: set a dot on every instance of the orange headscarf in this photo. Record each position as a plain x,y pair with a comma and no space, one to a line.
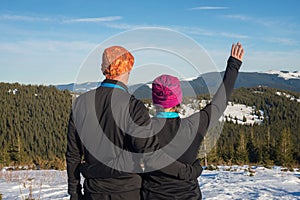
116,60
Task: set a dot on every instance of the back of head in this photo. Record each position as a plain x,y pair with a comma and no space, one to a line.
116,60
166,91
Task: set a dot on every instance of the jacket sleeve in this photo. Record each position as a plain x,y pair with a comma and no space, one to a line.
137,125
141,140
73,156
148,143
214,110
98,170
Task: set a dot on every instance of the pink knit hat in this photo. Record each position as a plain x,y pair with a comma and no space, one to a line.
166,91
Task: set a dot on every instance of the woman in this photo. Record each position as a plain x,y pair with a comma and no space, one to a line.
167,96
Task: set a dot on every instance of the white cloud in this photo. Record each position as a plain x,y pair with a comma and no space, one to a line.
24,18
46,19
97,19
184,29
234,35
42,61
256,60
262,21
271,60
280,40
206,32
209,8
194,30
123,26
281,28
45,46
239,17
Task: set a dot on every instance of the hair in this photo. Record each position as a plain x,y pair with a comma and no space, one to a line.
161,109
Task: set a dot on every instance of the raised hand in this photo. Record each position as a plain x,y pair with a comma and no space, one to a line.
237,51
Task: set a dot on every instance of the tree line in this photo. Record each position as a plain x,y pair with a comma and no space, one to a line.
33,125
34,119
274,142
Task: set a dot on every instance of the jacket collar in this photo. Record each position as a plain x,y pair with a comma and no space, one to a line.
167,115
119,83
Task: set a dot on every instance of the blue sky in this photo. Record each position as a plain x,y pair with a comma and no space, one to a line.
45,42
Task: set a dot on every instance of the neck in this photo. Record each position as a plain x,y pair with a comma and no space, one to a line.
122,78
160,109
169,110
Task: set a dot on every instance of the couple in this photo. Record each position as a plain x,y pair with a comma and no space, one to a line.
123,120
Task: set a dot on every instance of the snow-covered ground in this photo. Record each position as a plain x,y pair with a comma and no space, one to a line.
13,91
238,113
238,184
45,184
227,182
244,114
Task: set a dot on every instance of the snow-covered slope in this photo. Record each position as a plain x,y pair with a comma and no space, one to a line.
285,74
243,114
189,79
291,97
237,113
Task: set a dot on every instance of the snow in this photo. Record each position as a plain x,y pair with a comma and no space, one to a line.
285,75
227,182
149,85
240,111
187,110
292,98
14,91
45,184
82,89
233,111
237,184
189,79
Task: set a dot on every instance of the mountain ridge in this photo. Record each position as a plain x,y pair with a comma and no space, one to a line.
207,83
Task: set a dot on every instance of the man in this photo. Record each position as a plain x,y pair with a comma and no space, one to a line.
104,124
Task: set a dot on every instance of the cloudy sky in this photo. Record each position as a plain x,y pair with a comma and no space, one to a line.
48,42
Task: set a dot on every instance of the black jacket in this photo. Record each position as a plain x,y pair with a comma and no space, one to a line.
105,122
181,139
193,129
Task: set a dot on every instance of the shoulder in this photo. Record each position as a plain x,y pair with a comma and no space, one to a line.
136,102
86,95
83,99
192,120
197,119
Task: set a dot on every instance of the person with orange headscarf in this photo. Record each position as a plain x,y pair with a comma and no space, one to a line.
105,123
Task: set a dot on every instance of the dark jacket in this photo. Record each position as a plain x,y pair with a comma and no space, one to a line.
160,186
102,125
99,102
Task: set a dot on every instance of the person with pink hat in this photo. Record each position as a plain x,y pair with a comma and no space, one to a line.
167,96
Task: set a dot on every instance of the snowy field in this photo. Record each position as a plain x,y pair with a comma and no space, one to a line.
238,113
225,183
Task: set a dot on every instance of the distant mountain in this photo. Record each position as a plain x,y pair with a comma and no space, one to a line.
207,82
280,80
78,88
286,74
